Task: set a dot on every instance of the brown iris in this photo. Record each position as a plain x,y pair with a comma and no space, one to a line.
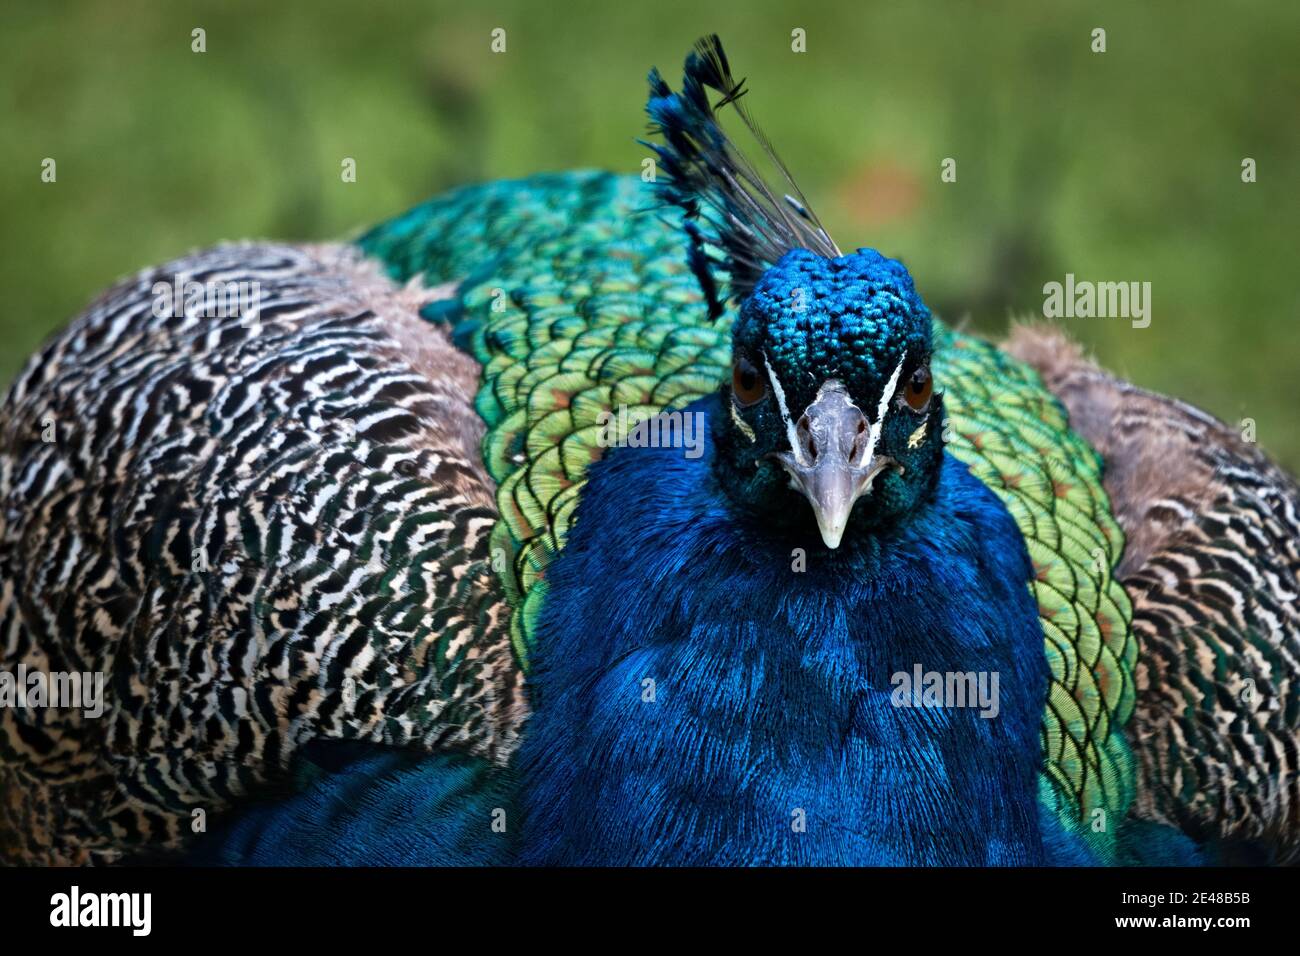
918,388
747,382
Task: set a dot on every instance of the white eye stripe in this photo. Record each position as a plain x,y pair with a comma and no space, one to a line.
742,424
785,411
881,411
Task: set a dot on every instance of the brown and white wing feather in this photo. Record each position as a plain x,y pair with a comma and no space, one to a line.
261,529
1212,564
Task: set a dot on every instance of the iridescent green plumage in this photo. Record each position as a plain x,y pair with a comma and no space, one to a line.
577,300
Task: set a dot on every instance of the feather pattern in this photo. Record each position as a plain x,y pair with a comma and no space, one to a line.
1213,569
263,529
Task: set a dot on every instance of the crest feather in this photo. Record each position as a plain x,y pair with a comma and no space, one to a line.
706,175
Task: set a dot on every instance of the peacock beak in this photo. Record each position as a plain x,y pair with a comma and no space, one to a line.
831,459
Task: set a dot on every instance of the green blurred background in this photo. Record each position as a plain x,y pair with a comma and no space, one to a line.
1117,166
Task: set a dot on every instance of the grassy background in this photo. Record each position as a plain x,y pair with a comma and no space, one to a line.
1118,166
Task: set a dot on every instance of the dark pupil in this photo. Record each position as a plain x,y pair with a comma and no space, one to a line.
918,381
748,381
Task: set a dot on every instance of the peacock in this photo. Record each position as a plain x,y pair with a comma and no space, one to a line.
370,576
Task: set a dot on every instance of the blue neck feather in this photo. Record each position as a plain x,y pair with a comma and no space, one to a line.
698,700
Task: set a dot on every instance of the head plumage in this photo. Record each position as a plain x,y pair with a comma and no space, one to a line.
851,318
706,175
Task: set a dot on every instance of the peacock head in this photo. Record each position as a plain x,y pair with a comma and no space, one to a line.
831,398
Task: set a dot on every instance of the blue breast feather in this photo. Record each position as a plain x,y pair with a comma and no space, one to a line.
768,735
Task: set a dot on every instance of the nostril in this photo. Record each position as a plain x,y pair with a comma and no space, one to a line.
859,438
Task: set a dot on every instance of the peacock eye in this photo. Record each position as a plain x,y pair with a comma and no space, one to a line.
917,390
747,382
